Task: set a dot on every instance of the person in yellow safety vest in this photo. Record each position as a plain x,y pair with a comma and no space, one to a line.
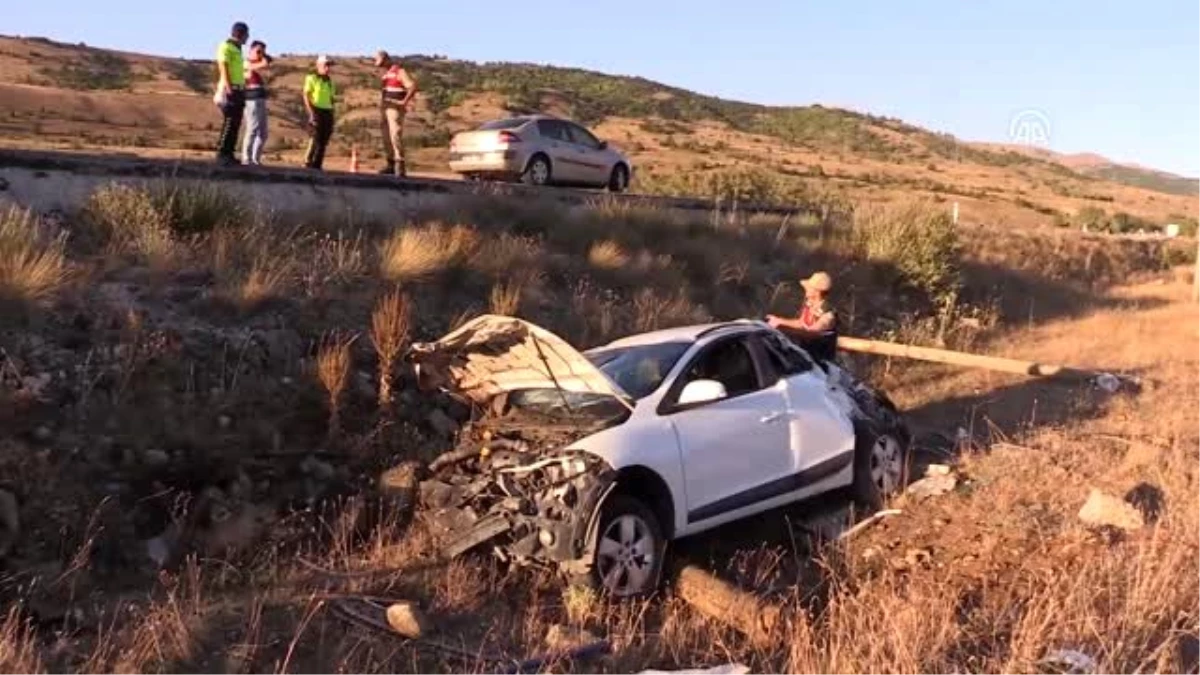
397,89
231,95
319,94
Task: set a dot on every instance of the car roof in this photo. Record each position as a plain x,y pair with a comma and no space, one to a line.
690,333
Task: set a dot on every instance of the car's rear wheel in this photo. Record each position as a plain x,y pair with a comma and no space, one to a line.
630,549
618,181
880,462
537,172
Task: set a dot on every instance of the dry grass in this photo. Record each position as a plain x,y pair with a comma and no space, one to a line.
33,264
389,335
1011,574
333,370
19,650
266,280
608,255
505,298
419,252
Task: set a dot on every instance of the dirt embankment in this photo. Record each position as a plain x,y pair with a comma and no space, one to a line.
169,370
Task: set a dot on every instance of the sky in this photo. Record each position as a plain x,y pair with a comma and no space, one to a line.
1121,79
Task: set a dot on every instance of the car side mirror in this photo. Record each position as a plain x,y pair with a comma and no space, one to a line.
603,145
702,391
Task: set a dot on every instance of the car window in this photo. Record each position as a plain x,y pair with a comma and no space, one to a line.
510,123
729,363
581,136
553,129
785,357
641,369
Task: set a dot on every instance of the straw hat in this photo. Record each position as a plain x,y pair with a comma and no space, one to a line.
819,281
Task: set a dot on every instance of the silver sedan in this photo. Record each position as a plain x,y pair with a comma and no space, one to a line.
539,150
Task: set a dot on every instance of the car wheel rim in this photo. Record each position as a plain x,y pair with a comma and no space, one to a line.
625,556
886,465
540,172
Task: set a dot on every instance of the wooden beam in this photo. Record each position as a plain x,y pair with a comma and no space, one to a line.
1030,368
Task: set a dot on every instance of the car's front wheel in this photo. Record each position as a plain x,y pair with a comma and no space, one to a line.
618,180
629,550
880,461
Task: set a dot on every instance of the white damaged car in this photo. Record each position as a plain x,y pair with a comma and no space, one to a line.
595,461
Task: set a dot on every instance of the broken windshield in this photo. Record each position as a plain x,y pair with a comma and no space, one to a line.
639,369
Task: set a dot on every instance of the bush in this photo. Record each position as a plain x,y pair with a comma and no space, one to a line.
148,218
33,264
919,240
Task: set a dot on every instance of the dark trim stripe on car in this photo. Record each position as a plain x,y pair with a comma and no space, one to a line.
774,488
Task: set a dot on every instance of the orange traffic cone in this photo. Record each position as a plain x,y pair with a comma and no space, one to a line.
354,159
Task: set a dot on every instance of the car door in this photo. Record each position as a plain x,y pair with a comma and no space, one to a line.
558,144
593,162
734,447
821,433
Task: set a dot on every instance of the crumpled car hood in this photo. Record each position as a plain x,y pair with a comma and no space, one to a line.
494,354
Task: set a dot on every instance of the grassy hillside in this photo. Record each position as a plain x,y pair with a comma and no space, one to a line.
78,97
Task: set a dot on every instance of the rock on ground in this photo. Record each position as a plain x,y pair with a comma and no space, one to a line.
562,638
1102,509
407,619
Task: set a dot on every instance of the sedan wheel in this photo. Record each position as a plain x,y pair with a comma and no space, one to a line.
887,464
538,171
880,461
629,549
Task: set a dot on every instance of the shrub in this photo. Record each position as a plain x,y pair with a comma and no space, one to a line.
33,264
148,217
918,239
416,253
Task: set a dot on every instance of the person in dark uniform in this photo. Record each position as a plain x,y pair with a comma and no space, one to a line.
815,329
397,89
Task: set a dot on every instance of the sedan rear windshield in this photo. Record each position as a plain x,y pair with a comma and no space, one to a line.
639,370
511,123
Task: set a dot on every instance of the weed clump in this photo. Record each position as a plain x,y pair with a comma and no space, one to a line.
417,253
147,219
389,333
33,263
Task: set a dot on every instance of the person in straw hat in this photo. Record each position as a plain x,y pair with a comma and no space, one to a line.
815,328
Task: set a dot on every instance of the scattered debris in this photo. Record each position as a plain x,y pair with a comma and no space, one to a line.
938,470
562,638
407,619
731,669
932,486
42,433
1147,499
156,458
441,422
372,613
917,557
727,669
1103,509
717,599
875,518
537,663
1108,382
10,521
1069,661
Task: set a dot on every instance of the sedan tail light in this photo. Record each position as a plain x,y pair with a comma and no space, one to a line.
509,137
